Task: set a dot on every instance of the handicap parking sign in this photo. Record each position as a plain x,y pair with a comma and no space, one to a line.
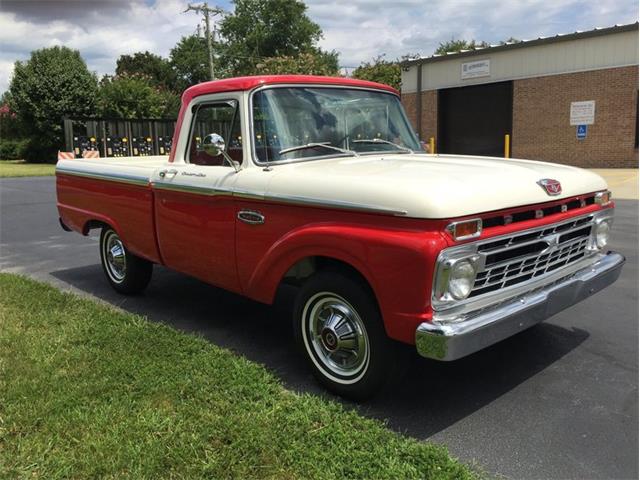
581,132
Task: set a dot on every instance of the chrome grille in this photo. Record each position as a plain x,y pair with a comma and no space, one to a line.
521,257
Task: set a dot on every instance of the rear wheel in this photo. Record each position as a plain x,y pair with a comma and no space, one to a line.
339,330
125,272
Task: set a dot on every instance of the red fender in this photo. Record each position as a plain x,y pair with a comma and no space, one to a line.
397,264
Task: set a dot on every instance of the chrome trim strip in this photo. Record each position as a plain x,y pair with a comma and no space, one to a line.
333,204
453,340
177,187
112,177
289,199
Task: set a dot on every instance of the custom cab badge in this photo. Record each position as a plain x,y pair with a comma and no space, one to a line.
551,186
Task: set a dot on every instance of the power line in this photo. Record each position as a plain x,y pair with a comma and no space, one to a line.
207,12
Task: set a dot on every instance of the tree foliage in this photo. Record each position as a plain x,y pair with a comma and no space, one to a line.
156,69
382,71
190,62
130,96
320,63
52,84
259,30
457,45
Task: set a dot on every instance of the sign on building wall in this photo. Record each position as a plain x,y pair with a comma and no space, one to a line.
582,113
476,69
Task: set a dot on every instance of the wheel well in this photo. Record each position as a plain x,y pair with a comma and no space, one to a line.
93,224
304,268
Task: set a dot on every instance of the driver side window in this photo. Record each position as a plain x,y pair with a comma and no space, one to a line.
222,118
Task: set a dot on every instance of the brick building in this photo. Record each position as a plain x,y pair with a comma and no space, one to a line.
569,99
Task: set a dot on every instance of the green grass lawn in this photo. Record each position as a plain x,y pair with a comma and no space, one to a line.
87,391
19,168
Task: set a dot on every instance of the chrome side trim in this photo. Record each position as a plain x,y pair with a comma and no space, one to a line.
295,200
207,191
288,199
111,177
452,340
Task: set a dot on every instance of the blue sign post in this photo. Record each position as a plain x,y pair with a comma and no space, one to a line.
581,132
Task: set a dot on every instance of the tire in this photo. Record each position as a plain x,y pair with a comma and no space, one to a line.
340,332
125,272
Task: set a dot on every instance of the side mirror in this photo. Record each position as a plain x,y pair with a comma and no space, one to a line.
213,144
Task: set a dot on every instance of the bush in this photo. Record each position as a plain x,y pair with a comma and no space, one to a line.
53,83
12,149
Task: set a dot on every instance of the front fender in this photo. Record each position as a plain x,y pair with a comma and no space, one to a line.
397,264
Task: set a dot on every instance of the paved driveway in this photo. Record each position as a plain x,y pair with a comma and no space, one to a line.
557,401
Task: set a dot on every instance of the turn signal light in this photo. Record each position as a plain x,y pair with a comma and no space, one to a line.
465,229
603,198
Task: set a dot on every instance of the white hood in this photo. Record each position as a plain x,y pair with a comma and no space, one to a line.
429,186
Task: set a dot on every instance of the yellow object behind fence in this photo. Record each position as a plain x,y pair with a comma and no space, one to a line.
507,145
432,145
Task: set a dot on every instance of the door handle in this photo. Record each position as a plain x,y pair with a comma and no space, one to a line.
251,217
164,173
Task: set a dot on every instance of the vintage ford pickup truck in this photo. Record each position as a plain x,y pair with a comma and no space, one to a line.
321,182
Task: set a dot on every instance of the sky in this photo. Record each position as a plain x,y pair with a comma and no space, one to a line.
359,30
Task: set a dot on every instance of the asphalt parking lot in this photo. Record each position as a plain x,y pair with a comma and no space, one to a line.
557,401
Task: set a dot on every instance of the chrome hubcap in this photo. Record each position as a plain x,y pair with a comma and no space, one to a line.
116,257
337,335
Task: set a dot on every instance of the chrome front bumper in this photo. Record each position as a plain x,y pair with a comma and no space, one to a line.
451,340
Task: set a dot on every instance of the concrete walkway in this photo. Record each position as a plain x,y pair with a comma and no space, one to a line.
623,182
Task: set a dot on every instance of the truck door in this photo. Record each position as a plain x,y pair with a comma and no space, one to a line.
194,207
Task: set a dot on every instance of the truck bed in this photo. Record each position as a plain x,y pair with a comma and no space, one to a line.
113,191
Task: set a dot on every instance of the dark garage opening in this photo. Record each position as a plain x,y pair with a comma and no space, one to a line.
474,120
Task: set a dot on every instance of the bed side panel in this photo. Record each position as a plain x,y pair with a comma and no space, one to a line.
127,207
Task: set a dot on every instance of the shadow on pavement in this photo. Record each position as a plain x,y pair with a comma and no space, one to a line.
431,396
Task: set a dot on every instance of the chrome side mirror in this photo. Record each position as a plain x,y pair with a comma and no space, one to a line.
213,144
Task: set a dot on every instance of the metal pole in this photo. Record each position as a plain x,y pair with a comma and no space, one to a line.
206,11
208,35
507,145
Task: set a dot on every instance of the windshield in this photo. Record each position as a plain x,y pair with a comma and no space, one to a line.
361,121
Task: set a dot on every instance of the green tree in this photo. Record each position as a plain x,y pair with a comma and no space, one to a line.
382,71
190,62
320,63
155,68
261,29
129,96
52,84
458,45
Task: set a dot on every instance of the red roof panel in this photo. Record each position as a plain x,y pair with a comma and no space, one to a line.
248,83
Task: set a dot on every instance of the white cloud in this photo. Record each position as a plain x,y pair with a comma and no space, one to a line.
358,29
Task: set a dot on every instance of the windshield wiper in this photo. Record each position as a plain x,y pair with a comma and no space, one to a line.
386,142
317,144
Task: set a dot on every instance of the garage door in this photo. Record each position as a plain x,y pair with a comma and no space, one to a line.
474,120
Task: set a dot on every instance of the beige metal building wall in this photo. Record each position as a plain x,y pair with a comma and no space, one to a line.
548,75
606,50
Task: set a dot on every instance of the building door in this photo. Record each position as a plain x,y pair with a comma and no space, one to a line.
474,120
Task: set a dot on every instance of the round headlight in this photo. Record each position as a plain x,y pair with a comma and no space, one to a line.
461,279
603,230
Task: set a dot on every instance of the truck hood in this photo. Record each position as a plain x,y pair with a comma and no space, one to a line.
427,186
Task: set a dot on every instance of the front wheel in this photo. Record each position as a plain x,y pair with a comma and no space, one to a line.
339,329
125,272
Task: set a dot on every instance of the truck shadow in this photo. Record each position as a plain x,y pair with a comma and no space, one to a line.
429,398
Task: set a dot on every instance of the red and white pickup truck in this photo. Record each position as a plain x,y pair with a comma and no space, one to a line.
322,183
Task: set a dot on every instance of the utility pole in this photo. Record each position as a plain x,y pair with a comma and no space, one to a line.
208,12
